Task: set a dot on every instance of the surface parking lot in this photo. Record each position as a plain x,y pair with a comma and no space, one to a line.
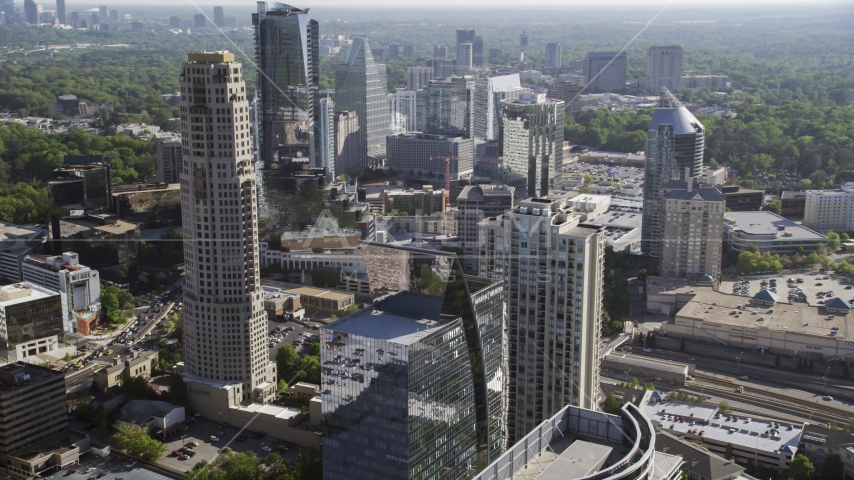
814,282
601,172
115,466
289,337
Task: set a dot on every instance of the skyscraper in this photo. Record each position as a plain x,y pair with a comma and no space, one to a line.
552,266
402,109
226,357
219,17
60,12
326,155
199,20
663,68
464,58
449,106
523,51
440,51
175,22
418,77
9,10
475,203
360,87
532,142
606,71
169,149
489,93
477,51
349,148
674,145
423,394
102,11
553,55
31,12
286,51
693,229
464,36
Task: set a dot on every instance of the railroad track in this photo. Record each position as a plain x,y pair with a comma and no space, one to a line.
750,393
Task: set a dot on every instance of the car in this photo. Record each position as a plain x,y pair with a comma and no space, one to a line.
647,350
184,457
220,434
130,465
241,438
819,284
194,444
101,475
190,453
90,469
266,448
827,398
214,438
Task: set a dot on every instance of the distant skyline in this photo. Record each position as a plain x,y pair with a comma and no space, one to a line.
470,3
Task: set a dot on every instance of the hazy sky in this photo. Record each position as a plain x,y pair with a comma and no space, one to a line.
478,3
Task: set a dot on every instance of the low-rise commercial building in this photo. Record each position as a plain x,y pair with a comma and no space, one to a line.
699,463
161,418
739,199
30,321
148,205
81,180
278,302
769,232
323,300
817,443
111,245
428,155
137,364
793,204
415,202
79,285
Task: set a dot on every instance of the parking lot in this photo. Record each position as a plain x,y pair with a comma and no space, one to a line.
203,431
115,467
288,337
816,286
602,172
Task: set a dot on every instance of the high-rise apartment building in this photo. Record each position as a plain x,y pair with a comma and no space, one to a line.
488,94
9,10
402,107
200,20
449,107
830,209
61,16
349,149
114,14
418,77
226,358
440,51
31,12
75,19
169,154
78,285
496,54
605,71
428,156
523,51
102,11
693,229
477,51
286,51
531,142
360,87
552,267
464,60
407,50
553,54
219,17
422,393
175,22
326,130
475,203
464,36
674,151
30,321
663,68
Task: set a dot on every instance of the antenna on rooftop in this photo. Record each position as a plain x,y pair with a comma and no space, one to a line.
667,99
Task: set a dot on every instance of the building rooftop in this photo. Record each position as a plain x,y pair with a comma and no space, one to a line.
711,306
753,433
708,465
769,223
140,411
402,318
789,194
11,233
680,118
319,292
19,375
23,292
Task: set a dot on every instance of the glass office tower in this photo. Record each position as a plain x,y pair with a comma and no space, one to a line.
413,387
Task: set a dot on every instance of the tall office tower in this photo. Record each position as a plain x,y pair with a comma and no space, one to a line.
31,12
496,54
360,87
693,230
532,142
553,54
225,352
605,71
114,14
449,107
9,10
34,412
552,266
175,22
440,51
95,19
199,20
432,403
443,67
475,203
169,151
408,50
464,60
402,106
489,93
464,36
349,146
426,155
75,19
60,12
82,179
567,91
102,11
523,51
31,321
393,51
674,141
326,154
418,77
219,17
477,51
79,286
663,68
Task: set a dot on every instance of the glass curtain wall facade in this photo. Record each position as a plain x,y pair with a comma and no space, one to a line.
361,87
438,404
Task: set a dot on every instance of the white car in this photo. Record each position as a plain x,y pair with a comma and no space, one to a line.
214,439
266,448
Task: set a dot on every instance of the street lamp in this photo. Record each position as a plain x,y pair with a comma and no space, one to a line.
738,362
627,376
825,377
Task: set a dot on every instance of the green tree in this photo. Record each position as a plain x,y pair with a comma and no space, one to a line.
178,391
134,440
832,468
848,427
844,236
287,362
832,240
724,408
800,469
774,206
309,464
728,451
611,406
101,423
67,357
136,388
649,386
